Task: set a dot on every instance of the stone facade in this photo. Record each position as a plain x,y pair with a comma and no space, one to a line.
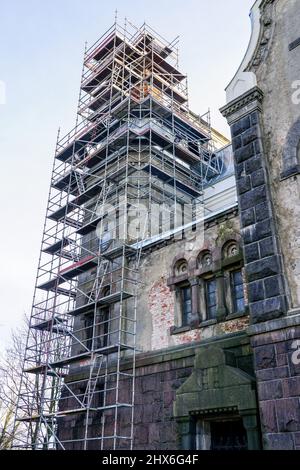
278,378
158,313
266,140
168,350
261,248
162,386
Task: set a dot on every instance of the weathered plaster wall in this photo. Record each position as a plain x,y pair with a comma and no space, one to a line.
277,69
156,308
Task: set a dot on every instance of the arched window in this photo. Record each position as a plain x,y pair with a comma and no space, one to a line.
211,298
183,292
106,291
237,290
89,329
234,277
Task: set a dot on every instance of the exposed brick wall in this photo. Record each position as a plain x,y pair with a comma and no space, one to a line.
238,324
278,380
161,309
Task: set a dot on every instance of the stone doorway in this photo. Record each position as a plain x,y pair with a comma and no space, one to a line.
216,407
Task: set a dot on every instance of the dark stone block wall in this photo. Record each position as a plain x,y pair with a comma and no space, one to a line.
158,376
273,331
156,385
155,428
278,380
263,263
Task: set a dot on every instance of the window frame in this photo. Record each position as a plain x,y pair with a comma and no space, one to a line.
209,281
234,303
185,320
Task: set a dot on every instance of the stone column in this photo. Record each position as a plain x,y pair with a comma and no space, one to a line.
186,431
263,262
251,426
196,316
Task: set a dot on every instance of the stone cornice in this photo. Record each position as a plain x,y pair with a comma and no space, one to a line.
173,353
292,320
244,104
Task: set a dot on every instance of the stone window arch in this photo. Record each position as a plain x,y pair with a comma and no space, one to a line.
180,267
103,320
291,152
230,249
204,260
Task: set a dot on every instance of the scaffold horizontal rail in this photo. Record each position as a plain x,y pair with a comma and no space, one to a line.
62,363
118,251
43,369
70,272
63,413
66,182
56,325
76,202
89,226
57,246
102,302
165,176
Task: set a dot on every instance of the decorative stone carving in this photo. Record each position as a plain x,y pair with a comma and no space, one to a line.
205,260
266,33
231,250
243,105
181,267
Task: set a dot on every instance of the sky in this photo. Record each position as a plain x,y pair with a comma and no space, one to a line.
41,52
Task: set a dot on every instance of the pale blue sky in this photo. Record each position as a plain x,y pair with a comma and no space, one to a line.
41,50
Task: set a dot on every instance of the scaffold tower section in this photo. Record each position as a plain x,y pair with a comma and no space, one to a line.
136,145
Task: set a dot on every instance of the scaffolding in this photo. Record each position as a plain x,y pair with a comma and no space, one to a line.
136,147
